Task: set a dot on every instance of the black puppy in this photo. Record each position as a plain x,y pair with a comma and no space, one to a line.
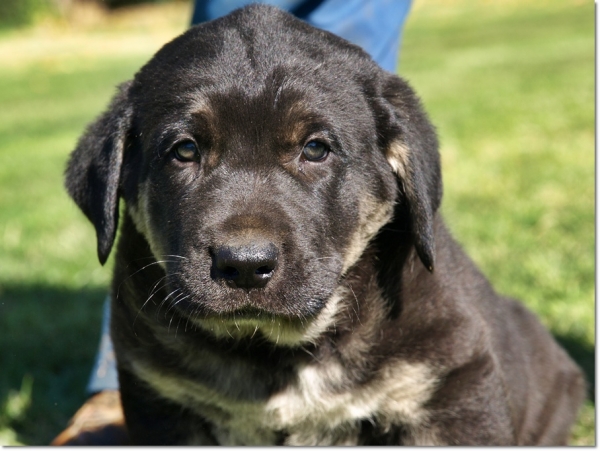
282,274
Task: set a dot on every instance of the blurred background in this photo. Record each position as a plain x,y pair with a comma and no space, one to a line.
509,84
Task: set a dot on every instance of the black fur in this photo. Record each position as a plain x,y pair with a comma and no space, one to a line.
202,361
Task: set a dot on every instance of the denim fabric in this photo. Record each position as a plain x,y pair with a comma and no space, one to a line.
375,25
104,374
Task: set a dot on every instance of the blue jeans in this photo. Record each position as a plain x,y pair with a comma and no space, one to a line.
374,25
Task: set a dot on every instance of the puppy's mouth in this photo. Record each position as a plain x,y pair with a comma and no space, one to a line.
244,315
210,301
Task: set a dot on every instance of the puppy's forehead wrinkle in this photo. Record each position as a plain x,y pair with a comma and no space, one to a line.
240,185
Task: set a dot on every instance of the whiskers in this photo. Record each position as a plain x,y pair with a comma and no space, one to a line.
160,284
155,289
163,259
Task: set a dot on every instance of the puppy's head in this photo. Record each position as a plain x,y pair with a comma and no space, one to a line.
258,156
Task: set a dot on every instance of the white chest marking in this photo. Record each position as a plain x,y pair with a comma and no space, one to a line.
314,410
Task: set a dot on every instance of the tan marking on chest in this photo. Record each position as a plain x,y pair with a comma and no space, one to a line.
314,410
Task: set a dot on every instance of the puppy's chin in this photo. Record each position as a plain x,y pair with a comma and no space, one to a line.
277,330
252,324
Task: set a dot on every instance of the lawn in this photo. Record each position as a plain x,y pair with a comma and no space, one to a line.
509,85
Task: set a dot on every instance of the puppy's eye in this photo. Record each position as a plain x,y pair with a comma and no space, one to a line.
186,151
315,151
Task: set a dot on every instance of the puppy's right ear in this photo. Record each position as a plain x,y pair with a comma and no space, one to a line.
93,173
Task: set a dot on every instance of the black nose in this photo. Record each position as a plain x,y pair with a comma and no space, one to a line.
246,266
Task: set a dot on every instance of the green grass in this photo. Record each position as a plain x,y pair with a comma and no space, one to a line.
51,286
510,88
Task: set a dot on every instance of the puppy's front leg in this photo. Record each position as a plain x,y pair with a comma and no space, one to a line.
152,420
471,407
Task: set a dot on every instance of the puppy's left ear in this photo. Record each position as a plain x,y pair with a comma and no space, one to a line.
93,173
411,148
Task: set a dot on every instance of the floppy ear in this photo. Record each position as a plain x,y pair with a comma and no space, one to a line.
92,176
411,148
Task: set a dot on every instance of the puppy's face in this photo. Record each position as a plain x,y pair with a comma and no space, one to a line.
257,191
258,160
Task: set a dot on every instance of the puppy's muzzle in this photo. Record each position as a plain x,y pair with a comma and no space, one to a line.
245,266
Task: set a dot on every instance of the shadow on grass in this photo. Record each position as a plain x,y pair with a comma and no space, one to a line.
49,337
584,355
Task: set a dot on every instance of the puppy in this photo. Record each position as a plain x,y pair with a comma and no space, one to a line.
282,274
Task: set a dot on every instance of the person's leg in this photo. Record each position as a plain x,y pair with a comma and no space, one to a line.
104,375
374,25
